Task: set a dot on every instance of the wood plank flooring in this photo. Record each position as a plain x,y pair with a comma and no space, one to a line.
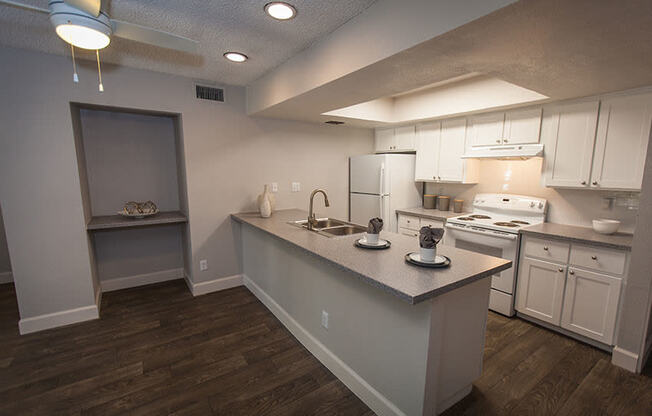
159,351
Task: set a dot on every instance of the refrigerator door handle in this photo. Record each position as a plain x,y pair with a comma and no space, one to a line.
382,191
381,185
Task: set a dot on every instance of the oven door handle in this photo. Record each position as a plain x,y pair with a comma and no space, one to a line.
487,233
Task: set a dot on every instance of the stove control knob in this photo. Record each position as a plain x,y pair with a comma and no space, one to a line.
532,204
540,205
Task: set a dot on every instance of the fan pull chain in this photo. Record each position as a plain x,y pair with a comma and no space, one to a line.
99,70
75,78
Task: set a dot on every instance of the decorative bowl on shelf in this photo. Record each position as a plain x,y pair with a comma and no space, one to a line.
138,210
603,226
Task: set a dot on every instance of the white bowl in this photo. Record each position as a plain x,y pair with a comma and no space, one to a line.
603,226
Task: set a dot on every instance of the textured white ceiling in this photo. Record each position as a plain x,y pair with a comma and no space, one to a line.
239,25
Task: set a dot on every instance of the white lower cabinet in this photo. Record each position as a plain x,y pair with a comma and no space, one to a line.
541,290
410,225
591,304
563,293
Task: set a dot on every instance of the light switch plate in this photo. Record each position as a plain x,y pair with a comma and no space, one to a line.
296,186
274,186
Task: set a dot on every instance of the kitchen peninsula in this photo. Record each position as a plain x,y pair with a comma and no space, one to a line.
406,340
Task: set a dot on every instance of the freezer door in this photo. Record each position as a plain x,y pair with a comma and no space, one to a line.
365,206
369,174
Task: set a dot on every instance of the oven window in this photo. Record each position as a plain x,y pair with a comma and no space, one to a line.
479,248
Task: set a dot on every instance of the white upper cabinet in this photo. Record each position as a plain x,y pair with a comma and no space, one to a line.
451,148
400,139
486,129
440,146
426,166
621,143
568,134
384,140
522,126
405,138
585,148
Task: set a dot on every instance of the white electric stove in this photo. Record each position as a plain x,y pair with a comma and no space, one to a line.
492,229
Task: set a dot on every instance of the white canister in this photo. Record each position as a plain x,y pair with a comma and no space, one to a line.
428,254
371,238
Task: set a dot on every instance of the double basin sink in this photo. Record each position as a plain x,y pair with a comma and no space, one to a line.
331,227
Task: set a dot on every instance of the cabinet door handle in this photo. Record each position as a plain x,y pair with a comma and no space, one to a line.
583,182
545,248
594,257
561,270
498,141
434,177
504,140
571,272
595,182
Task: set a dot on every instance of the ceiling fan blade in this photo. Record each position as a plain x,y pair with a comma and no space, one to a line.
24,6
154,37
91,7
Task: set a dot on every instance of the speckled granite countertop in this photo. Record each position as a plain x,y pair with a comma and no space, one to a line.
385,269
580,234
433,214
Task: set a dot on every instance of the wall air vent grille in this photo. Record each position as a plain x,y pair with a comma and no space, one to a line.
334,122
209,93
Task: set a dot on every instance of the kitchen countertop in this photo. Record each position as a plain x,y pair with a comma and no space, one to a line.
433,214
385,269
586,235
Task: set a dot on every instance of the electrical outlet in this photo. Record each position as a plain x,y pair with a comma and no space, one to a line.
296,186
324,319
203,265
274,186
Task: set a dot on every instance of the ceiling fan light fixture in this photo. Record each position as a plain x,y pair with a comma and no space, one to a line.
235,56
80,29
83,37
280,10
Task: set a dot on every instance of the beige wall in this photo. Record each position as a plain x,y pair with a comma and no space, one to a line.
523,177
228,157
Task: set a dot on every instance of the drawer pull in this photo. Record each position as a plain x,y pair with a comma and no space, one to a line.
571,272
594,257
561,270
545,248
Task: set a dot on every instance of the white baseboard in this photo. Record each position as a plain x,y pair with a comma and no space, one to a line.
6,277
140,279
215,285
370,396
53,320
625,359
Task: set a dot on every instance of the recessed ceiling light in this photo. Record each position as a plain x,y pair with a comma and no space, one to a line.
235,56
280,10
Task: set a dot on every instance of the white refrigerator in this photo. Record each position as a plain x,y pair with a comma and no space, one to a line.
381,184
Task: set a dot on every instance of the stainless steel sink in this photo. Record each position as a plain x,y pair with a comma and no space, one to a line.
331,227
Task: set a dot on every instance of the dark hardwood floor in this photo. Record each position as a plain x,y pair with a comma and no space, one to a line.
157,350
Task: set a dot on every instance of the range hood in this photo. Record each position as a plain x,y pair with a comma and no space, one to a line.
516,151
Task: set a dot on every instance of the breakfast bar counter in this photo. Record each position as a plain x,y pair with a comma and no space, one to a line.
406,340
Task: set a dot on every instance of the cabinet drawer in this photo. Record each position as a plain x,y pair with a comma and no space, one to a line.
411,223
600,259
551,250
408,232
433,223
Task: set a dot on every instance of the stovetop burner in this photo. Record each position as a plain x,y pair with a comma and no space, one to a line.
505,224
480,217
465,219
520,222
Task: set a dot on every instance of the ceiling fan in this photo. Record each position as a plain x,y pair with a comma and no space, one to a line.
82,23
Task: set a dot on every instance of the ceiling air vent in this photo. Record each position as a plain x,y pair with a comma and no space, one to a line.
334,122
209,93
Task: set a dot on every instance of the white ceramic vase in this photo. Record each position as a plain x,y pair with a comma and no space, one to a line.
265,203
